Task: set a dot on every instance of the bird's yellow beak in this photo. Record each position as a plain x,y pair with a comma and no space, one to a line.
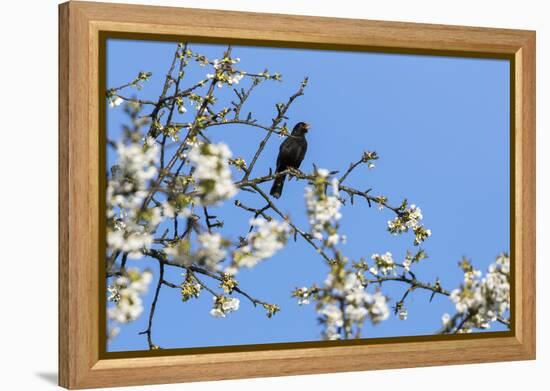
307,126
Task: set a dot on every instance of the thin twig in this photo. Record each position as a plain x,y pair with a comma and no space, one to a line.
149,329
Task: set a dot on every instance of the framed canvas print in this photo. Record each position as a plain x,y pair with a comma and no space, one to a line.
247,195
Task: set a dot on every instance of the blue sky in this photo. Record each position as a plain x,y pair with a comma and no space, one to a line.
441,128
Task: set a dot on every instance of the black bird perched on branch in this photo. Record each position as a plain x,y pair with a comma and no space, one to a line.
291,154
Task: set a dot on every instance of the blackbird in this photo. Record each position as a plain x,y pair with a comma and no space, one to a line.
291,154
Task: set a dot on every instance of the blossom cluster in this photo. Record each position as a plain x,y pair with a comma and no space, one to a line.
302,294
176,208
179,251
482,300
129,226
223,305
212,173
353,307
323,209
344,304
409,218
190,288
212,250
383,263
125,293
115,100
262,243
369,157
225,72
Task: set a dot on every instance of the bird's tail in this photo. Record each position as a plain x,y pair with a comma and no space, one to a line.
277,188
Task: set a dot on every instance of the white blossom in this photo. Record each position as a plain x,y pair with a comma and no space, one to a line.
212,249
323,172
114,295
231,270
359,304
190,288
127,290
115,100
445,319
356,314
212,173
333,240
223,305
303,295
378,308
409,218
483,299
130,241
262,243
112,333
217,313
231,305
384,263
130,227
407,263
168,210
333,320
225,72
235,79
324,211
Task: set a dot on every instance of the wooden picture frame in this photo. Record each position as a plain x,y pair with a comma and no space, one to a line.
81,364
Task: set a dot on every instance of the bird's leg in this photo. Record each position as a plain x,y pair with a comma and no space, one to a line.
294,173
